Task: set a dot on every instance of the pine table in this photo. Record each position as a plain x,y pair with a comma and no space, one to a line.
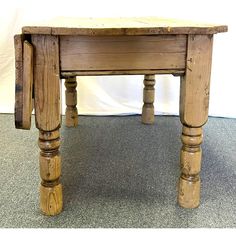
121,46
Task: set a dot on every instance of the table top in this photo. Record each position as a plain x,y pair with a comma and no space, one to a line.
122,26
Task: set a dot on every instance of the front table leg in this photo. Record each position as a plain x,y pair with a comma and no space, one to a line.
194,102
47,105
190,162
50,172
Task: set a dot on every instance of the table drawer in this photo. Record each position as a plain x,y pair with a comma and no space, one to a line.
96,53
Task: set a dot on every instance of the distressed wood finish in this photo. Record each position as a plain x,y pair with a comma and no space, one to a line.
48,117
194,102
123,26
122,52
71,102
148,99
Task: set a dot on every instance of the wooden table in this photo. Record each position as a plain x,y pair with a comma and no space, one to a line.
124,46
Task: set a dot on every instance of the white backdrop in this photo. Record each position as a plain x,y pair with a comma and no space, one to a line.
123,94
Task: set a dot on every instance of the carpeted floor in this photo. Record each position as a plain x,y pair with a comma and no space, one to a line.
119,173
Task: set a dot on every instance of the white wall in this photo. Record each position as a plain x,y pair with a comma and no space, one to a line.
122,94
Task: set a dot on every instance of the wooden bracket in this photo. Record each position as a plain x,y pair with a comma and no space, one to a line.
24,82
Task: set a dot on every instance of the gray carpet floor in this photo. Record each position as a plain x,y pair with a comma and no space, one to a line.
119,173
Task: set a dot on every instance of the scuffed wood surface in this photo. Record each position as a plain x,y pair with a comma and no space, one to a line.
122,26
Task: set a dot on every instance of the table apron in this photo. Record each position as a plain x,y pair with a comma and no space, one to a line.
129,53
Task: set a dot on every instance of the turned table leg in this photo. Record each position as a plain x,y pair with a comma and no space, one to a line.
148,99
190,162
71,102
194,102
50,172
48,119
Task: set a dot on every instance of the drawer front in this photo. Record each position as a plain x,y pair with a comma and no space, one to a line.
96,53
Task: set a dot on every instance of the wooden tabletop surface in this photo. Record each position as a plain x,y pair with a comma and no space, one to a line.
122,26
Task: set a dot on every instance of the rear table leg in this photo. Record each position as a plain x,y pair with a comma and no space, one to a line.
71,102
148,99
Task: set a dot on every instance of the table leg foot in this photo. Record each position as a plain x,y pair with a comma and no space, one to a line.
71,102
148,99
50,171
190,162
189,193
51,199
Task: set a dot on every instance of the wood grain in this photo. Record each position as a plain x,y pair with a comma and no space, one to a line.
50,167
122,52
122,26
47,82
48,119
123,44
24,82
51,200
195,85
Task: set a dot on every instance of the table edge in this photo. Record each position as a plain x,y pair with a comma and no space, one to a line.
122,31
